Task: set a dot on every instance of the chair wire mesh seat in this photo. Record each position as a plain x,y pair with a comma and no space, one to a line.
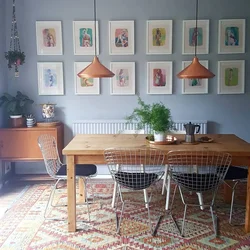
236,175
204,172
58,171
134,169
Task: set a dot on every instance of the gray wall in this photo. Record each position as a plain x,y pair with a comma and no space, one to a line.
3,68
226,113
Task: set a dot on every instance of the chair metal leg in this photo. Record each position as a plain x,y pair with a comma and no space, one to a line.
149,220
215,221
231,208
232,204
146,198
119,220
164,180
86,197
168,192
200,198
114,195
50,202
183,220
51,198
170,211
157,225
53,193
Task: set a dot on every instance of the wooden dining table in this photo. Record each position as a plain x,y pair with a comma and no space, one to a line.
89,149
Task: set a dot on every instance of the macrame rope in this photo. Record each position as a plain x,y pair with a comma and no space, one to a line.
14,38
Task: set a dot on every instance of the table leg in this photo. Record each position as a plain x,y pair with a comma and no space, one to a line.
82,197
71,188
247,219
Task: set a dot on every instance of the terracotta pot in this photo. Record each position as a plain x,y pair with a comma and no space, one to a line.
18,122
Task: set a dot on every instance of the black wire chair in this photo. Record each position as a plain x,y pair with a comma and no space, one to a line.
204,171
58,171
135,169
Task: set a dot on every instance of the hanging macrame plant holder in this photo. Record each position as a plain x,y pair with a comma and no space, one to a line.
14,56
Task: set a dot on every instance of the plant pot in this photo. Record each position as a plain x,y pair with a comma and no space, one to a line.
17,121
159,136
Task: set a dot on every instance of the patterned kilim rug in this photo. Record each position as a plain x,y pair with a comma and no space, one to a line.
23,225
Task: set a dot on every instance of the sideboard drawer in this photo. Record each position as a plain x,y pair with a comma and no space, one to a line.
21,143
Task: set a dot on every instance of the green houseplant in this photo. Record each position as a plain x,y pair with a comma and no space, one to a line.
156,116
14,58
15,105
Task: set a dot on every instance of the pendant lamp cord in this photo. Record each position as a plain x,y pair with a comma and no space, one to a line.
196,28
95,23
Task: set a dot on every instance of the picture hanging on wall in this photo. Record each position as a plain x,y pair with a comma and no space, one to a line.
231,77
194,86
50,78
49,37
123,83
192,36
121,37
159,37
231,36
84,86
159,78
84,37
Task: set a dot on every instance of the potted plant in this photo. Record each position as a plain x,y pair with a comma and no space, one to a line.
156,116
15,107
15,58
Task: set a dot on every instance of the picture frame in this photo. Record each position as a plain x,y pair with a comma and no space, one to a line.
159,37
84,86
231,77
231,36
123,83
159,78
49,38
84,37
194,86
50,78
190,37
121,37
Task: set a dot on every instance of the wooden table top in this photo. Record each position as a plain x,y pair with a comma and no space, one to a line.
96,144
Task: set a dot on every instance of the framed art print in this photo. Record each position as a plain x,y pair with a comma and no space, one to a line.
121,37
84,37
159,37
191,35
123,83
49,38
159,78
50,78
84,86
194,86
231,77
231,36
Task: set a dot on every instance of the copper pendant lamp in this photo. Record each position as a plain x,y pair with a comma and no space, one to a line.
95,69
195,70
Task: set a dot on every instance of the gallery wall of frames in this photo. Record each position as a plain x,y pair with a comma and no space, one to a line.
159,39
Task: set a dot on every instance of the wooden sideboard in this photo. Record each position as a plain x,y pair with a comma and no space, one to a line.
20,144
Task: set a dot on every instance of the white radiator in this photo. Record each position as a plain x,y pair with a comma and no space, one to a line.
114,126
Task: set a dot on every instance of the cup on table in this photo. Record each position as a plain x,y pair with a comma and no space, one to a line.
30,122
